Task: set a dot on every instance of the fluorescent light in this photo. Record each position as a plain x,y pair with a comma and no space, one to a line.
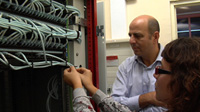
184,7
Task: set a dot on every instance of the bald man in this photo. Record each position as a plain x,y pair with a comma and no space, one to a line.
135,84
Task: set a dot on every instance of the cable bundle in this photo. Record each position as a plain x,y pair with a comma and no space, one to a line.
52,88
22,39
5,58
46,9
23,32
18,32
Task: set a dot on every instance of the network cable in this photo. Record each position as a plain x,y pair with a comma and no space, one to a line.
22,32
27,64
52,88
25,26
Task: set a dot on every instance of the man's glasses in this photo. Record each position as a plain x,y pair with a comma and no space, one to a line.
158,70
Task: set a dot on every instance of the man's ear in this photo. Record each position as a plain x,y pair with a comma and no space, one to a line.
156,36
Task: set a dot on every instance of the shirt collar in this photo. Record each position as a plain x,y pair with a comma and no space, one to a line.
159,57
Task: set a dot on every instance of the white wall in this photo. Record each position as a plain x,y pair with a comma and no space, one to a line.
160,9
118,18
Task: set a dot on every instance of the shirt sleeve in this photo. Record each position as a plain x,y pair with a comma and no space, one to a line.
81,102
120,91
107,103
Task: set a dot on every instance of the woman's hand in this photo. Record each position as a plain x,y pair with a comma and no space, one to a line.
86,78
72,77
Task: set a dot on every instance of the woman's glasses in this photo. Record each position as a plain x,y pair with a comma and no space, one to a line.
158,70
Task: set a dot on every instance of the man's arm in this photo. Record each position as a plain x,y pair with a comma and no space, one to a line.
149,99
120,92
131,102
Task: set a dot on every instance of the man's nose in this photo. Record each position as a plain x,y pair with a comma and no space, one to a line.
132,39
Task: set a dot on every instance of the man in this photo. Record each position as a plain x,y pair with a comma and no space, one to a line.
135,84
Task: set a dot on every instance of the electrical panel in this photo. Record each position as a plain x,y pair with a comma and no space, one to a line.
34,38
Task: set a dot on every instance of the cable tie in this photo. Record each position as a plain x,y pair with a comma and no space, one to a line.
32,64
77,35
79,27
51,63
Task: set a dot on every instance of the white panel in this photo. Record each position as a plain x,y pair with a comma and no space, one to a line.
122,50
101,49
118,18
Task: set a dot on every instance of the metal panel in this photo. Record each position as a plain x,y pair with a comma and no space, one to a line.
101,47
78,49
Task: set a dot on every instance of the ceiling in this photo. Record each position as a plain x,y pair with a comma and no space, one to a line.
188,10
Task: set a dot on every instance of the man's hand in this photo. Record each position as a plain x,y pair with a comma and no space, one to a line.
150,99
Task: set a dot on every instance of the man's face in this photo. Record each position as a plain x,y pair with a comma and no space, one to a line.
140,40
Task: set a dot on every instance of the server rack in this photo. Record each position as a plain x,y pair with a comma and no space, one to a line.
36,88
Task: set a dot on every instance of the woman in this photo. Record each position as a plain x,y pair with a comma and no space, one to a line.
177,85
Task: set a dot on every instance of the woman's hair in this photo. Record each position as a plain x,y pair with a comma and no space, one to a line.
183,54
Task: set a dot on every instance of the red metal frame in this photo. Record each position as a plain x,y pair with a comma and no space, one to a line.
92,40
92,43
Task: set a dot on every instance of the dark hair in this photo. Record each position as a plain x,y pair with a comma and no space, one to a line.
153,26
183,54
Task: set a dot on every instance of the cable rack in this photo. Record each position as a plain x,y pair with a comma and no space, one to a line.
34,34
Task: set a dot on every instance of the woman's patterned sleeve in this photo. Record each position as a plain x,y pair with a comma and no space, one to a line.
107,103
81,102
